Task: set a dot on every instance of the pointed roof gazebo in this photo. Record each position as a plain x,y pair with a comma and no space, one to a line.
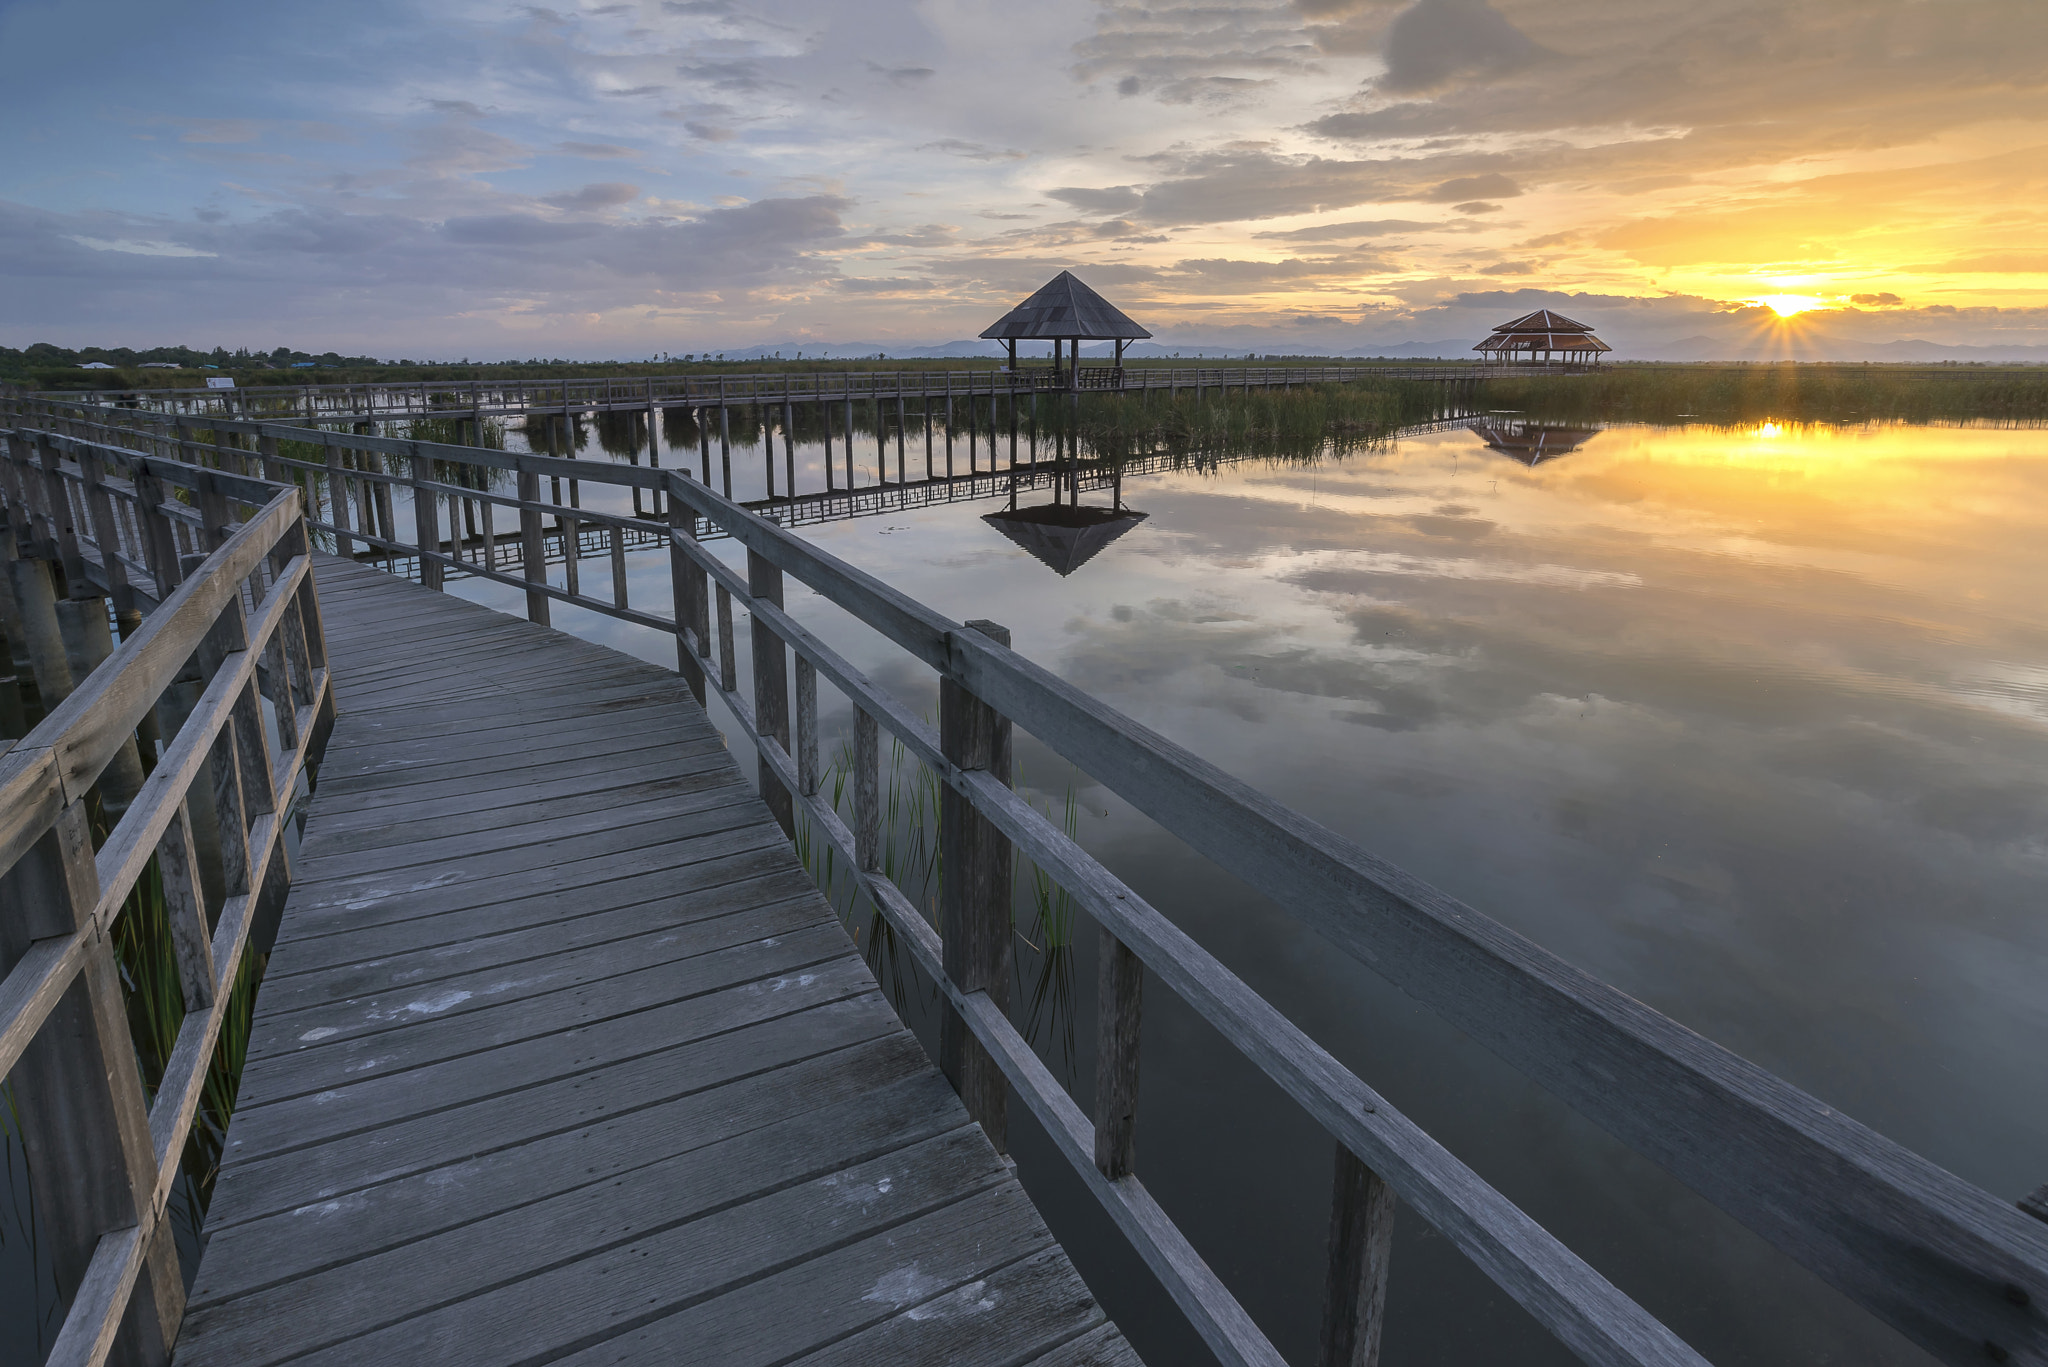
1063,536
1065,310
1552,334
1532,443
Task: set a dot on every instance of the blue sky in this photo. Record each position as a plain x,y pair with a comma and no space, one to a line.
621,178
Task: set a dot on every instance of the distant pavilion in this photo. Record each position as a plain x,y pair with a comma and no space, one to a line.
1065,310
1547,333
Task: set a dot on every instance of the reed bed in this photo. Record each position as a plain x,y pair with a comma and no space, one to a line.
1795,393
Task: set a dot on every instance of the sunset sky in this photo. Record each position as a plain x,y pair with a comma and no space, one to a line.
615,179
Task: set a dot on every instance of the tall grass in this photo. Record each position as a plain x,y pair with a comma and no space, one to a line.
911,859
1797,393
1298,423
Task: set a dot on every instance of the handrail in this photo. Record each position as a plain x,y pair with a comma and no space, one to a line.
1942,1261
236,597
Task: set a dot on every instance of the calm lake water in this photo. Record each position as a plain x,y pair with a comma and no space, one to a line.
1752,724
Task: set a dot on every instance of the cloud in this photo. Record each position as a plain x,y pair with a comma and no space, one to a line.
1477,206
605,195
595,151
218,130
1335,232
972,151
1110,199
1491,186
1438,41
902,75
1886,300
1509,268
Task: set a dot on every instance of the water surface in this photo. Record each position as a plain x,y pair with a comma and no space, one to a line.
1752,724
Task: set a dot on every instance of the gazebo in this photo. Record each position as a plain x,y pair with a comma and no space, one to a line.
1065,310
1551,334
1532,443
1064,536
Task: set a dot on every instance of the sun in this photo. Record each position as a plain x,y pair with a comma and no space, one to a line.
1786,305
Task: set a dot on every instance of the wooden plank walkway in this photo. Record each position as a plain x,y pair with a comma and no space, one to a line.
561,1057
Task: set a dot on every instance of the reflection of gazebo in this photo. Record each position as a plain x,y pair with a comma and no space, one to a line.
1065,310
1532,442
1062,535
1551,334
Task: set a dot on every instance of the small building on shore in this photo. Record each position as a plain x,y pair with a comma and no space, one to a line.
1545,337
1067,313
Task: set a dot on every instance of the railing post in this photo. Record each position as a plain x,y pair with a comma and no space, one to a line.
806,727
426,519
1361,1242
867,791
974,894
1119,994
686,585
771,685
533,551
84,1124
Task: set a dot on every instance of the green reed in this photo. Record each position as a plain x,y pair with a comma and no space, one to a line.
908,798
1796,393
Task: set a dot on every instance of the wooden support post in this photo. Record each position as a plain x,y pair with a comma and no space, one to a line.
337,503
806,727
1361,1243
728,664
687,585
88,641
900,424
1119,994
975,895
533,550
618,549
1012,409
849,436
771,685
788,448
84,1124
867,791
924,405
35,602
426,519
881,444
725,445
831,476
704,445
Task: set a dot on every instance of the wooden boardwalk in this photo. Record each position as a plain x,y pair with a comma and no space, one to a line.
561,1056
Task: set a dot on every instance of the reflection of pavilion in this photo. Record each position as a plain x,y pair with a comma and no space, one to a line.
1064,535
1532,442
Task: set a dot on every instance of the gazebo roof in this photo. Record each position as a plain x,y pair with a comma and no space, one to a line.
1061,535
1542,331
1543,320
1064,308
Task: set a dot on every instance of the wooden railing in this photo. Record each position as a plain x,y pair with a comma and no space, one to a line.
1956,1270
464,398
229,670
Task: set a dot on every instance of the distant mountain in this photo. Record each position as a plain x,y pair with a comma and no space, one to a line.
1804,344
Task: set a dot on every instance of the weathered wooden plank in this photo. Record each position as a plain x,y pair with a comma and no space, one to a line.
498,930
995,1320
287,1112
842,1292
667,1269
276,1248
255,1184
425,1270
586,1047
604,969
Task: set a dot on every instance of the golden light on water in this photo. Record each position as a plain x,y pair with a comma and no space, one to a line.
1786,305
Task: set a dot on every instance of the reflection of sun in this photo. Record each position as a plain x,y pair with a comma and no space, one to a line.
1785,305
1769,431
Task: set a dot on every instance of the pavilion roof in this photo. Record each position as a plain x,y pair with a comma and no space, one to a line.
1061,535
1542,331
1064,308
